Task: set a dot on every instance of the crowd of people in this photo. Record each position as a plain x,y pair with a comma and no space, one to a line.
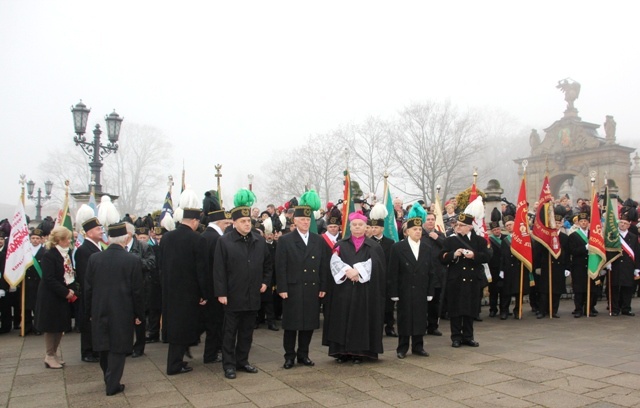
222,274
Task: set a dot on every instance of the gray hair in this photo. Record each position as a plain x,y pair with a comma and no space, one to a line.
130,228
121,240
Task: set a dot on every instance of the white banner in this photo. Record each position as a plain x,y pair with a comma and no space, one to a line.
19,256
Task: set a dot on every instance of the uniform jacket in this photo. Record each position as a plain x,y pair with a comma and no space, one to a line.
52,313
81,257
622,268
558,266
436,246
32,279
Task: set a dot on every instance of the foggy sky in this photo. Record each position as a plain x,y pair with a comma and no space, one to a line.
239,82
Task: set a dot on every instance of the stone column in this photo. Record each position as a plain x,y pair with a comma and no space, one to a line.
634,192
493,199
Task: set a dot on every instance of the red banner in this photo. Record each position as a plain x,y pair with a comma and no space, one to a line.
544,228
521,237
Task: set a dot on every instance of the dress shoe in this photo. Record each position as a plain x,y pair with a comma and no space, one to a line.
421,352
288,364
577,315
51,362
230,373
434,332
216,359
117,391
249,369
273,327
493,313
401,355
36,333
556,316
594,311
343,359
183,369
149,340
136,354
306,361
390,331
615,313
90,359
471,343
357,360
456,343
477,319
503,316
539,315
628,313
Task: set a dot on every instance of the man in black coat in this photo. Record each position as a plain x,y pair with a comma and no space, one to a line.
411,284
212,314
5,308
515,277
141,249
91,245
302,270
32,278
464,253
154,294
435,240
496,286
114,302
624,270
241,272
578,245
184,267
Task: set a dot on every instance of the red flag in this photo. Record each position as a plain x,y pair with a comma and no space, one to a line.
521,237
544,228
347,205
474,193
597,250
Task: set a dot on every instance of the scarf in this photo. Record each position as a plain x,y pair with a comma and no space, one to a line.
69,274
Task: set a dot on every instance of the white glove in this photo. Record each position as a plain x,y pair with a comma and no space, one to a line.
538,271
501,275
603,272
429,298
12,289
395,299
2,293
567,274
587,246
636,272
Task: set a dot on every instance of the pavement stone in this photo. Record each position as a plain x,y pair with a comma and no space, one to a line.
566,362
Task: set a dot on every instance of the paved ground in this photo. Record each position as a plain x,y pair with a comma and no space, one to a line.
562,362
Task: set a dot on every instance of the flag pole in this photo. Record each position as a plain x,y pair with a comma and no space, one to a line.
23,179
218,176
386,186
609,278
593,191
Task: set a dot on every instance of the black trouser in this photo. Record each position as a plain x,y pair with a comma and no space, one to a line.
289,343
544,303
84,324
5,316
141,337
417,343
461,328
236,338
213,314
14,301
389,305
433,307
154,323
112,365
580,301
495,294
534,297
621,298
266,312
175,358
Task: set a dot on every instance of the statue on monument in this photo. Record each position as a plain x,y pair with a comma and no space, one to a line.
534,140
571,91
610,129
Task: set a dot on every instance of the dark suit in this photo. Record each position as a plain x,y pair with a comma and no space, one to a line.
389,305
148,258
541,257
82,255
32,281
212,314
622,276
516,278
302,272
113,300
439,280
411,280
497,294
579,275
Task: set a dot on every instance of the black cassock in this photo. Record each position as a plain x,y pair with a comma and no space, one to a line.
354,319
184,265
114,298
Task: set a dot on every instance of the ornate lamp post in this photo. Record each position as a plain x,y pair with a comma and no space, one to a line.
39,198
250,182
94,149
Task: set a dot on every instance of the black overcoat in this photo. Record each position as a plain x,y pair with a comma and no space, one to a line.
354,319
465,277
411,281
579,262
622,268
514,271
184,266
240,269
558,266
81,257
52,313
436,245
495,263
149,264
114,298
302,271
32,279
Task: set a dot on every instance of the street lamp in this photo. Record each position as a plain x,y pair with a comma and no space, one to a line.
39,198
250,182
94,149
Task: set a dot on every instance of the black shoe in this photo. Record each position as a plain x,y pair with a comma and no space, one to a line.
539,315
503,316
216,359
357,360
421,352
273,327
306,361
36,333
118,391
343,359
493,313
401,355
230,373
555,316
135,354
477,319
456,343
90,359
256,325
434,332
594,311
183,369
577,314
288,364
249,369
390,331
151,340
471,343
188,353
628,313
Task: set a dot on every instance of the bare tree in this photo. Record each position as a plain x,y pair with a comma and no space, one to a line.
433,143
